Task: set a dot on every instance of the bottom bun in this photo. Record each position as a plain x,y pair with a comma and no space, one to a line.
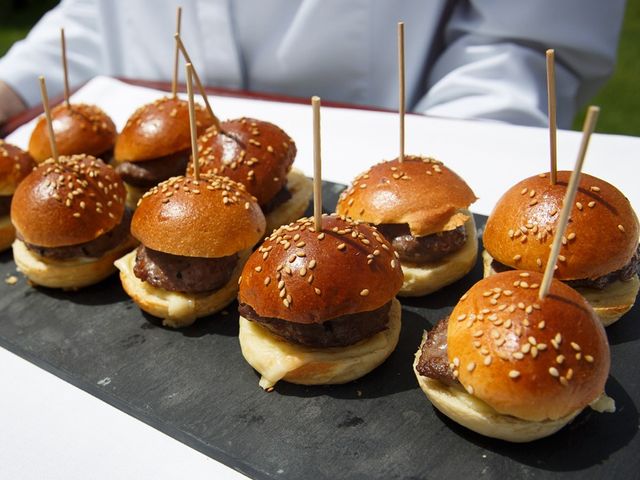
67,274
134,194
177,309
476,415
609,303
7,233
277,359
301,189
427,278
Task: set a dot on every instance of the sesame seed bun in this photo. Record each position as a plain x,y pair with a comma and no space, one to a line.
301,189
72,201
177,309
276,359
67,274
253,152
7,233
420,192
427,278
210,218
15,164
158,129
609,303
476,415
532,359
601,237
78,129
305,276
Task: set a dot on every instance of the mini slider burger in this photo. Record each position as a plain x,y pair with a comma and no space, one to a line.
71,222
195,237
155,144
319,307
258,154
508,365
15,164
599,256
421,207
79,129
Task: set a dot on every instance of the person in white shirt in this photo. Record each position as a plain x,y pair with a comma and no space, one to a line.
465,59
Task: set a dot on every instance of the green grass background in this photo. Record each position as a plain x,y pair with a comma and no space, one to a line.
618,99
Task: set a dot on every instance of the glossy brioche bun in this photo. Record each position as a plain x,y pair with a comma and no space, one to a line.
420,191
79,129
427,278
602,234
277,359
15,164
67,274
301,189
533,359
609,303
209,218
304,276
476,415
177,309
158,129
72,201
7,233
253,152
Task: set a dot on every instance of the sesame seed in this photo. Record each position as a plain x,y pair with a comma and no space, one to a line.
462,317
514,374
518,355
341,246
564,381
560,359
258,269
588,358
364,293
317,290
578,356
575,346
553,371
456,361
595,189
267,281
487,360
312,264
477,333
621,228
517,258
579,205
320,236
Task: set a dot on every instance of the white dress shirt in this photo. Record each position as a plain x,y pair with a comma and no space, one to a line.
465,59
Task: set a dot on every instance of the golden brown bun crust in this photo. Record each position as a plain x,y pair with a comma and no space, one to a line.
78,129
602,233
72,201
158,129
212,217
15,164
420,191
253,152
7,233
547,358
296,276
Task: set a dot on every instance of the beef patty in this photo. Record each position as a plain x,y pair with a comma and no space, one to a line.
626,273
337,332
422,249
278,199
93,249
149,173
183,274
5,205
434,361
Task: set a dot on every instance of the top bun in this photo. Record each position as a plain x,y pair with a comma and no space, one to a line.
68,202
255,153
159,129
307,277
209,218
78,128
420,191
529,358
601,236
15,164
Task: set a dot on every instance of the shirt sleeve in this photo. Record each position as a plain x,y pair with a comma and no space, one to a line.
493,64
40,52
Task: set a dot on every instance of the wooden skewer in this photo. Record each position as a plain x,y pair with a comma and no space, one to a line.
47,113
317,165
569,198
551,99
203,92
401,98
192,122
65,68
174,80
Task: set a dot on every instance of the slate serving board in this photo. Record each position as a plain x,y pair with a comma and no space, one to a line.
194,385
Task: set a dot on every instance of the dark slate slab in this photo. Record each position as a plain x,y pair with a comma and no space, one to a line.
195,386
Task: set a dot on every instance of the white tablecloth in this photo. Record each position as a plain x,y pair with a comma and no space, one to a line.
52,430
